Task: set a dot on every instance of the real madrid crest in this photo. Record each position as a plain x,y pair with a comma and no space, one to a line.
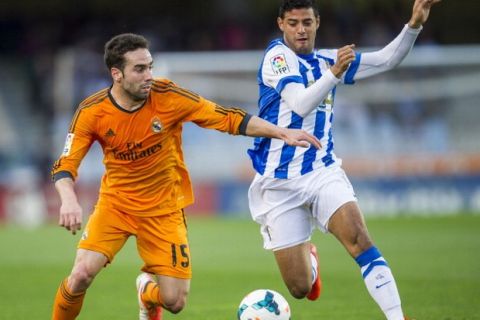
156,125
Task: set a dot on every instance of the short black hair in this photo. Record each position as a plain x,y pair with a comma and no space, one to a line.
116,48
289,5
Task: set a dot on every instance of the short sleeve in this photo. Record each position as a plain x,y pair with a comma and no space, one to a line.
280,67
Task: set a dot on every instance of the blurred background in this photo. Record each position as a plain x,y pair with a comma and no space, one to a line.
409,139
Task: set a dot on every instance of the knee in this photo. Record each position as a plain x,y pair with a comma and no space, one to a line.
175,303
177,307
80,278
299,289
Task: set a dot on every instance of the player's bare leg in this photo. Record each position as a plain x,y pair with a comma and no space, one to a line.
174,292
87,265
295,266
70,294
348,225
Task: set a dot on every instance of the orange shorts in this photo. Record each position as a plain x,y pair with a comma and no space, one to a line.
162,241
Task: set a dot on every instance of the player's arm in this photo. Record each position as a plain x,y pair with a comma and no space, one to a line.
304,100
394,53
208,114
65,169
257,127
285,78
70,210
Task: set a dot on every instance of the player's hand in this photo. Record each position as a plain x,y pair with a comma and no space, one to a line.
345,56
420,12
71,217
300,138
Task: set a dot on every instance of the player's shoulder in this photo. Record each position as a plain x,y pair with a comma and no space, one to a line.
161,87
276,47
279,57
167,88
94,99
90,107
163,83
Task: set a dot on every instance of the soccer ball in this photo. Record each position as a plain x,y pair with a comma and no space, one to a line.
263,304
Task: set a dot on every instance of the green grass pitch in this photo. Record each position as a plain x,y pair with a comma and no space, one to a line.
436,262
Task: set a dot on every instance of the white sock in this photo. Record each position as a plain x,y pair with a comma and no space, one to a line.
380,283
314,268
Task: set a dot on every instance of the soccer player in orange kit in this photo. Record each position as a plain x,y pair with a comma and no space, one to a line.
138,123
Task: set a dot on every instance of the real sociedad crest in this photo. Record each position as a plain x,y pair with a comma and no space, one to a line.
156,125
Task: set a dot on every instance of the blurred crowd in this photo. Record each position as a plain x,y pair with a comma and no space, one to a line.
194,26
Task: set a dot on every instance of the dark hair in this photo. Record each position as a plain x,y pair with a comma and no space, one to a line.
289,5
116,48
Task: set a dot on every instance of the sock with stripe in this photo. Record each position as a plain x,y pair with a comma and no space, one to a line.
151,294
67,305
380,283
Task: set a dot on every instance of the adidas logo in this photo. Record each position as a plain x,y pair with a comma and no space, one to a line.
110,133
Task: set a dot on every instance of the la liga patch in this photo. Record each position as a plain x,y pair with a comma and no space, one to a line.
68,144
279,64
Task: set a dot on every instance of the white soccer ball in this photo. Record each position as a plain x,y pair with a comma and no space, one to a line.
263,304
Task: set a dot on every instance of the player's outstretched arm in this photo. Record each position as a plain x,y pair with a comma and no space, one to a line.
70,210
420,12
257,127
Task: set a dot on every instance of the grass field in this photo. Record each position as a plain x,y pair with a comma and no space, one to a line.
436,262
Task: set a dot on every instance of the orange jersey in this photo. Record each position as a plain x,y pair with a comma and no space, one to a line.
145,171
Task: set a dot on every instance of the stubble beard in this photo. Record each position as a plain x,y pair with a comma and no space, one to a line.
137,96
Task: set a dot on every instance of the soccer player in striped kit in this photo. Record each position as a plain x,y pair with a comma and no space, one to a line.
297,190
138,122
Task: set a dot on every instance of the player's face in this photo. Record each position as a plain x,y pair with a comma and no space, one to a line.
299,27
137,74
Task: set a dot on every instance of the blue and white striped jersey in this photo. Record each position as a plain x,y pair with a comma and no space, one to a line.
280,66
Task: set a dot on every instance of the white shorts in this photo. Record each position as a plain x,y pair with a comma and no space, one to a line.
288,210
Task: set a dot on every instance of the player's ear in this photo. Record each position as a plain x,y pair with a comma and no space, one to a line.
317,18
280,23
116,74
